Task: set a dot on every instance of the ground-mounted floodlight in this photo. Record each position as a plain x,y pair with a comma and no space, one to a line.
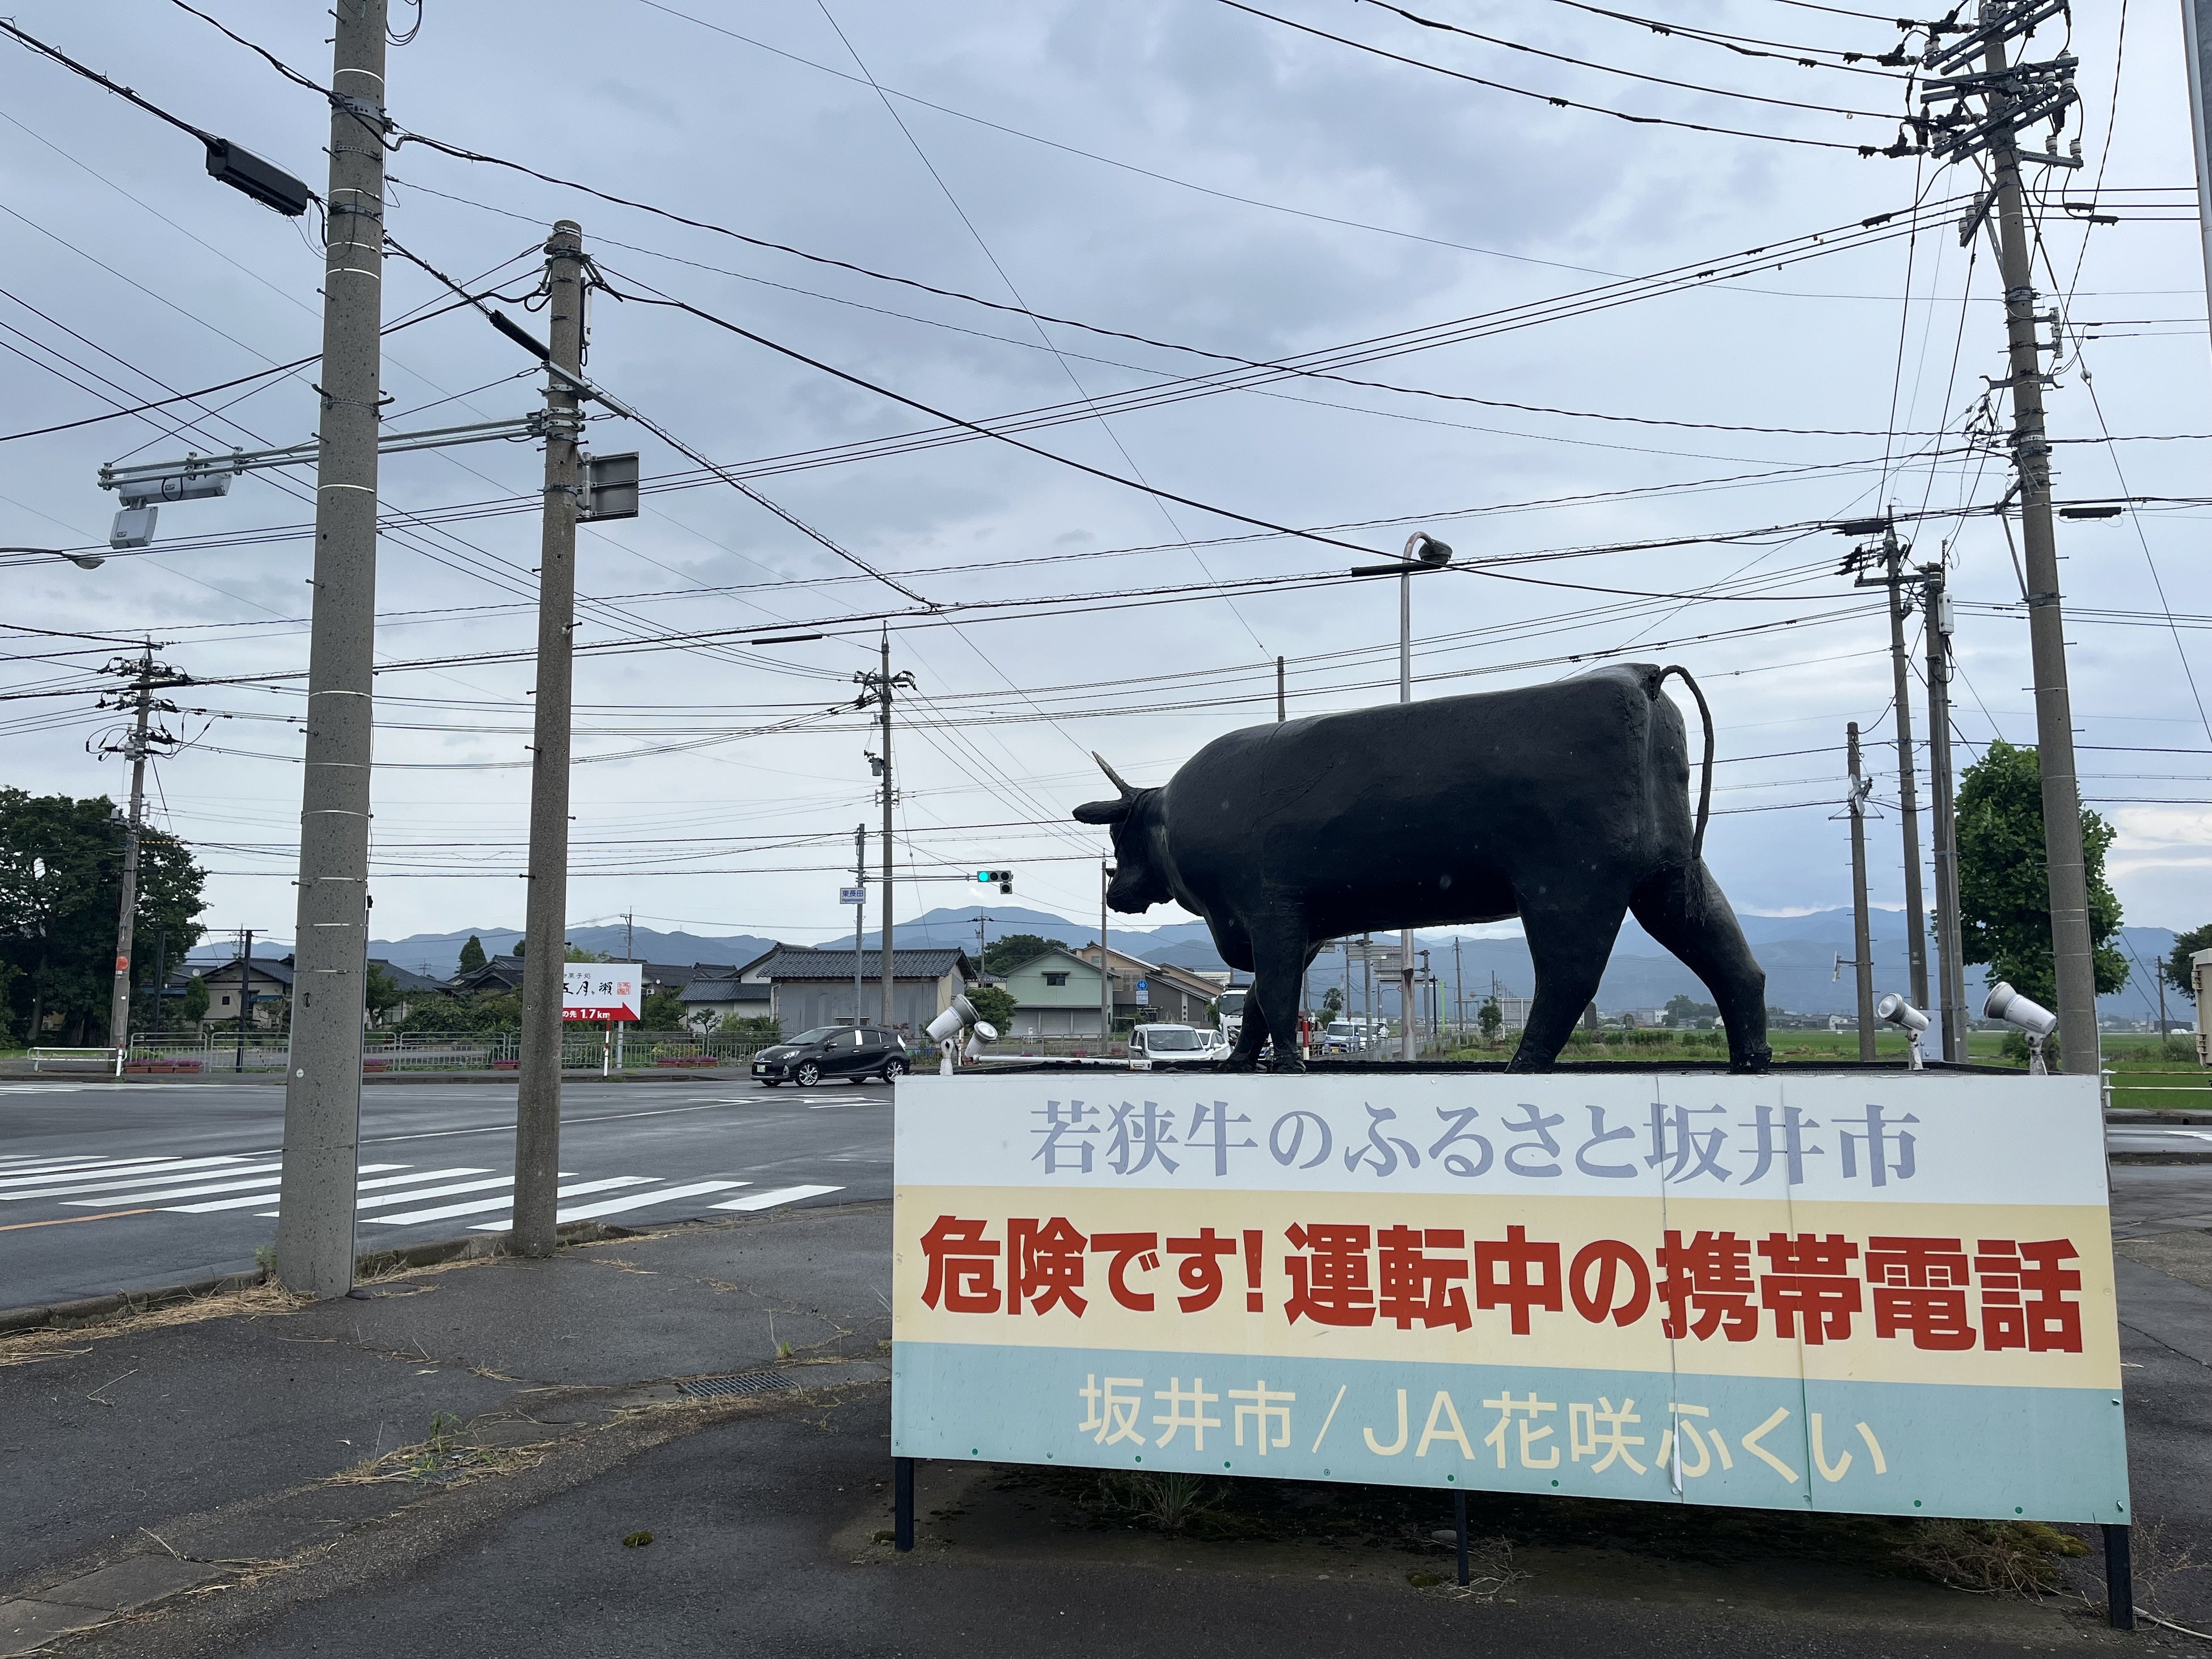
1909,1019
944,1031
2025,1014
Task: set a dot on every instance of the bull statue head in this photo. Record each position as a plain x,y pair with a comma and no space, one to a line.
1140,878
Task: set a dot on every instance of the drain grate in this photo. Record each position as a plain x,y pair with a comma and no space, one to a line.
743,1383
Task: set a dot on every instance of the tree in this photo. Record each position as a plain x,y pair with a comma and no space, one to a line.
195,998
473,954
703,1021
1490,1018
1011,951
1682,1010
381,992
663,1011
1332,1001
2004,891
578,953
2177,965
994,1005
752,1028
61,884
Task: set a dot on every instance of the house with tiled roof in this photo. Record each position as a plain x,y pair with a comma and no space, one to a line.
812,987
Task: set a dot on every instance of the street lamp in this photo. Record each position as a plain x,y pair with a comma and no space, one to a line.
81,561
1423,552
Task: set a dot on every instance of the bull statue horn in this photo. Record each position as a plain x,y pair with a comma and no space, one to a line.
1120,782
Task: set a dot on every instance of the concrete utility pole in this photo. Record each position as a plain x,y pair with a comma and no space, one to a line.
2070,948
884,690
1862,927
1282,707
2196,41
1105,975
544,965
245,994
1950,970
1409,1041
860,910
1908,797
118,1006
322,1087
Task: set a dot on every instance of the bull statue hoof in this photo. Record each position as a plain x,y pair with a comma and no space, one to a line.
1289,1064
1757,1063
1239,1063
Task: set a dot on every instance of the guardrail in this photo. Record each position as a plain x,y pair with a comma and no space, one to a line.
109,1060
583,1048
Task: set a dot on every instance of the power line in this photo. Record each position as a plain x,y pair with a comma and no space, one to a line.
1552,99
1608,68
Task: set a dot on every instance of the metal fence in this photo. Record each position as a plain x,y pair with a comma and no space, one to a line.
583,1048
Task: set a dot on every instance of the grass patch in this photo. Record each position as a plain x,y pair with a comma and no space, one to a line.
1991,1558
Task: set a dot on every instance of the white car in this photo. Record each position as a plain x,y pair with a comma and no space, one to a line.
1148,1043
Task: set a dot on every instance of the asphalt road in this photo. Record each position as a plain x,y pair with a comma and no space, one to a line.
107,1187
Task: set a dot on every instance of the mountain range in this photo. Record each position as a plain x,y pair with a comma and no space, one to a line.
1799,953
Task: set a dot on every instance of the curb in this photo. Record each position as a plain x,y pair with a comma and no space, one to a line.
98,1309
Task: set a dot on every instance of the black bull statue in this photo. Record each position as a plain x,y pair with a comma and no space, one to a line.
1566,804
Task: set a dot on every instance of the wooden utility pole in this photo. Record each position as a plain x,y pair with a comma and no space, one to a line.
322,1085
1861,928
544,966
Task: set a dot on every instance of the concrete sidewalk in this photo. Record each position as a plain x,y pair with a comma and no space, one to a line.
456,1463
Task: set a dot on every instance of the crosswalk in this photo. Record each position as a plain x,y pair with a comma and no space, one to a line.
388,1195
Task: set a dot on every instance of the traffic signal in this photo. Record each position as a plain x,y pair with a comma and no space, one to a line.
1004,877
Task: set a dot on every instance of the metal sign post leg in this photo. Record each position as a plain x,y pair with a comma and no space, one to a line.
2119,1579
903,1503
1459,1524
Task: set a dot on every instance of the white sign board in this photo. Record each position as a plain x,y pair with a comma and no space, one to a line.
851,895
602,990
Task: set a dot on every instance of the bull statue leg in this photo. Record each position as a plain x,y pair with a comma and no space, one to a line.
1281,955
1569,940
1684,910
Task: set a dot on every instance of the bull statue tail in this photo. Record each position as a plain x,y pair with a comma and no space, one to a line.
1706,789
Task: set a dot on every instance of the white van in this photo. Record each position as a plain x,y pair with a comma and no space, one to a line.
1150,1042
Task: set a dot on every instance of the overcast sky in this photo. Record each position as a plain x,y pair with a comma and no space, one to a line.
1174,169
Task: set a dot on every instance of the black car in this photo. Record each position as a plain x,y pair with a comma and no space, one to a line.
832,1051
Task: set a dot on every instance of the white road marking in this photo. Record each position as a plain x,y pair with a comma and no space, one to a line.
249,1199
24,1164
162,1179
143,1168
421,1196
617,1205
174,1189
505,1201
410,1180
770,1199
